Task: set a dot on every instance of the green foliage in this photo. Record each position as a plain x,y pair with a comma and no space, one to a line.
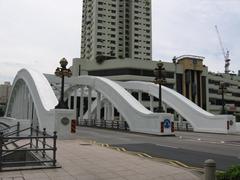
232,173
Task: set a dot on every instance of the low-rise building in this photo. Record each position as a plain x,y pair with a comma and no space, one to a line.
186,74
5,90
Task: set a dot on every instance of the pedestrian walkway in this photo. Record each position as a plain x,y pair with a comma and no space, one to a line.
81,160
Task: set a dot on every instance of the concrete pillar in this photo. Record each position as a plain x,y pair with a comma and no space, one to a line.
75,104
180,119
20,105
105,111
151,103
69,101
29,106
81,104
89,103
140,97
112,115
164,107
22,102
209,170
25,101
109,106
98,108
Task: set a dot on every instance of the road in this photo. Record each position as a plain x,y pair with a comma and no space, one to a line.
187,147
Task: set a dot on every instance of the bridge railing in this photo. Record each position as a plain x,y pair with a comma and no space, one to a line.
183,126
38,143
108,124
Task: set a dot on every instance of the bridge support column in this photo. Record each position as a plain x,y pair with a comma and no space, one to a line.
98,108
112,115
29,107
81,104
109,111
164,107
140,97
75,105
180,120
69,101
89,104
151,103
25,102
62,125
105,112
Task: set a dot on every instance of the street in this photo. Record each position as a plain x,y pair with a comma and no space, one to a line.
189,148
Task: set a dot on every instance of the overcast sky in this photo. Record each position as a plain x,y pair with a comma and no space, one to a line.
37,33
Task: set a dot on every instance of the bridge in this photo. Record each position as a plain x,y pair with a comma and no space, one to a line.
34,97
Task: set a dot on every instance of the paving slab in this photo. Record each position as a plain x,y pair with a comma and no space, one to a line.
85,161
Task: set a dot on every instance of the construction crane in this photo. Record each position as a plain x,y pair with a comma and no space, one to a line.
225,53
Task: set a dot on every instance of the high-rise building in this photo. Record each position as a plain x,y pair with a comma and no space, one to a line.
116,29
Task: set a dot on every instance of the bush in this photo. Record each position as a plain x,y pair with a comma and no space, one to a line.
232,173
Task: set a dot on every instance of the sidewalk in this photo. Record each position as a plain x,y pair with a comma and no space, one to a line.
83,161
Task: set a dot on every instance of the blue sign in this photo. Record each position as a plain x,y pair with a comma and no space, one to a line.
167,123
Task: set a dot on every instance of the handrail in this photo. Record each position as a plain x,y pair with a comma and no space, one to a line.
33,145
112,124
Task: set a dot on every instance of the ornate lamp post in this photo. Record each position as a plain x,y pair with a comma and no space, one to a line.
61,72
174,60
222,90
160,79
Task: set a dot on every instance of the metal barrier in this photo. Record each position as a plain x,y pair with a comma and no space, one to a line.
183,126
36,143
108,124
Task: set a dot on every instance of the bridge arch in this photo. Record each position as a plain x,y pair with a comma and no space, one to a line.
132,111
201,120
39,98
43,100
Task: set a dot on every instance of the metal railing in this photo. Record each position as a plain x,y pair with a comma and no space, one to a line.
182,126
108,124
37,143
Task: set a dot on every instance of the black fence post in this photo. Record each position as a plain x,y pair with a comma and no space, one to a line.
1,148
186,126
31,134
118,125
18,128
37,131
44,143
54,147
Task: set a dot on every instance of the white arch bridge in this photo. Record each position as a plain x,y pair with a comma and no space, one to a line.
34,97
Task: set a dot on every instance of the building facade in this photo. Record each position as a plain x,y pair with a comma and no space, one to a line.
116,29
188,76
5,91
116,43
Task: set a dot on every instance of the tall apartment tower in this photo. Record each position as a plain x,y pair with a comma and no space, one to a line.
116,28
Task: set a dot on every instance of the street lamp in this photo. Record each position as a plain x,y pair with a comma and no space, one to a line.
222,90
61,72
174,60
159,79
